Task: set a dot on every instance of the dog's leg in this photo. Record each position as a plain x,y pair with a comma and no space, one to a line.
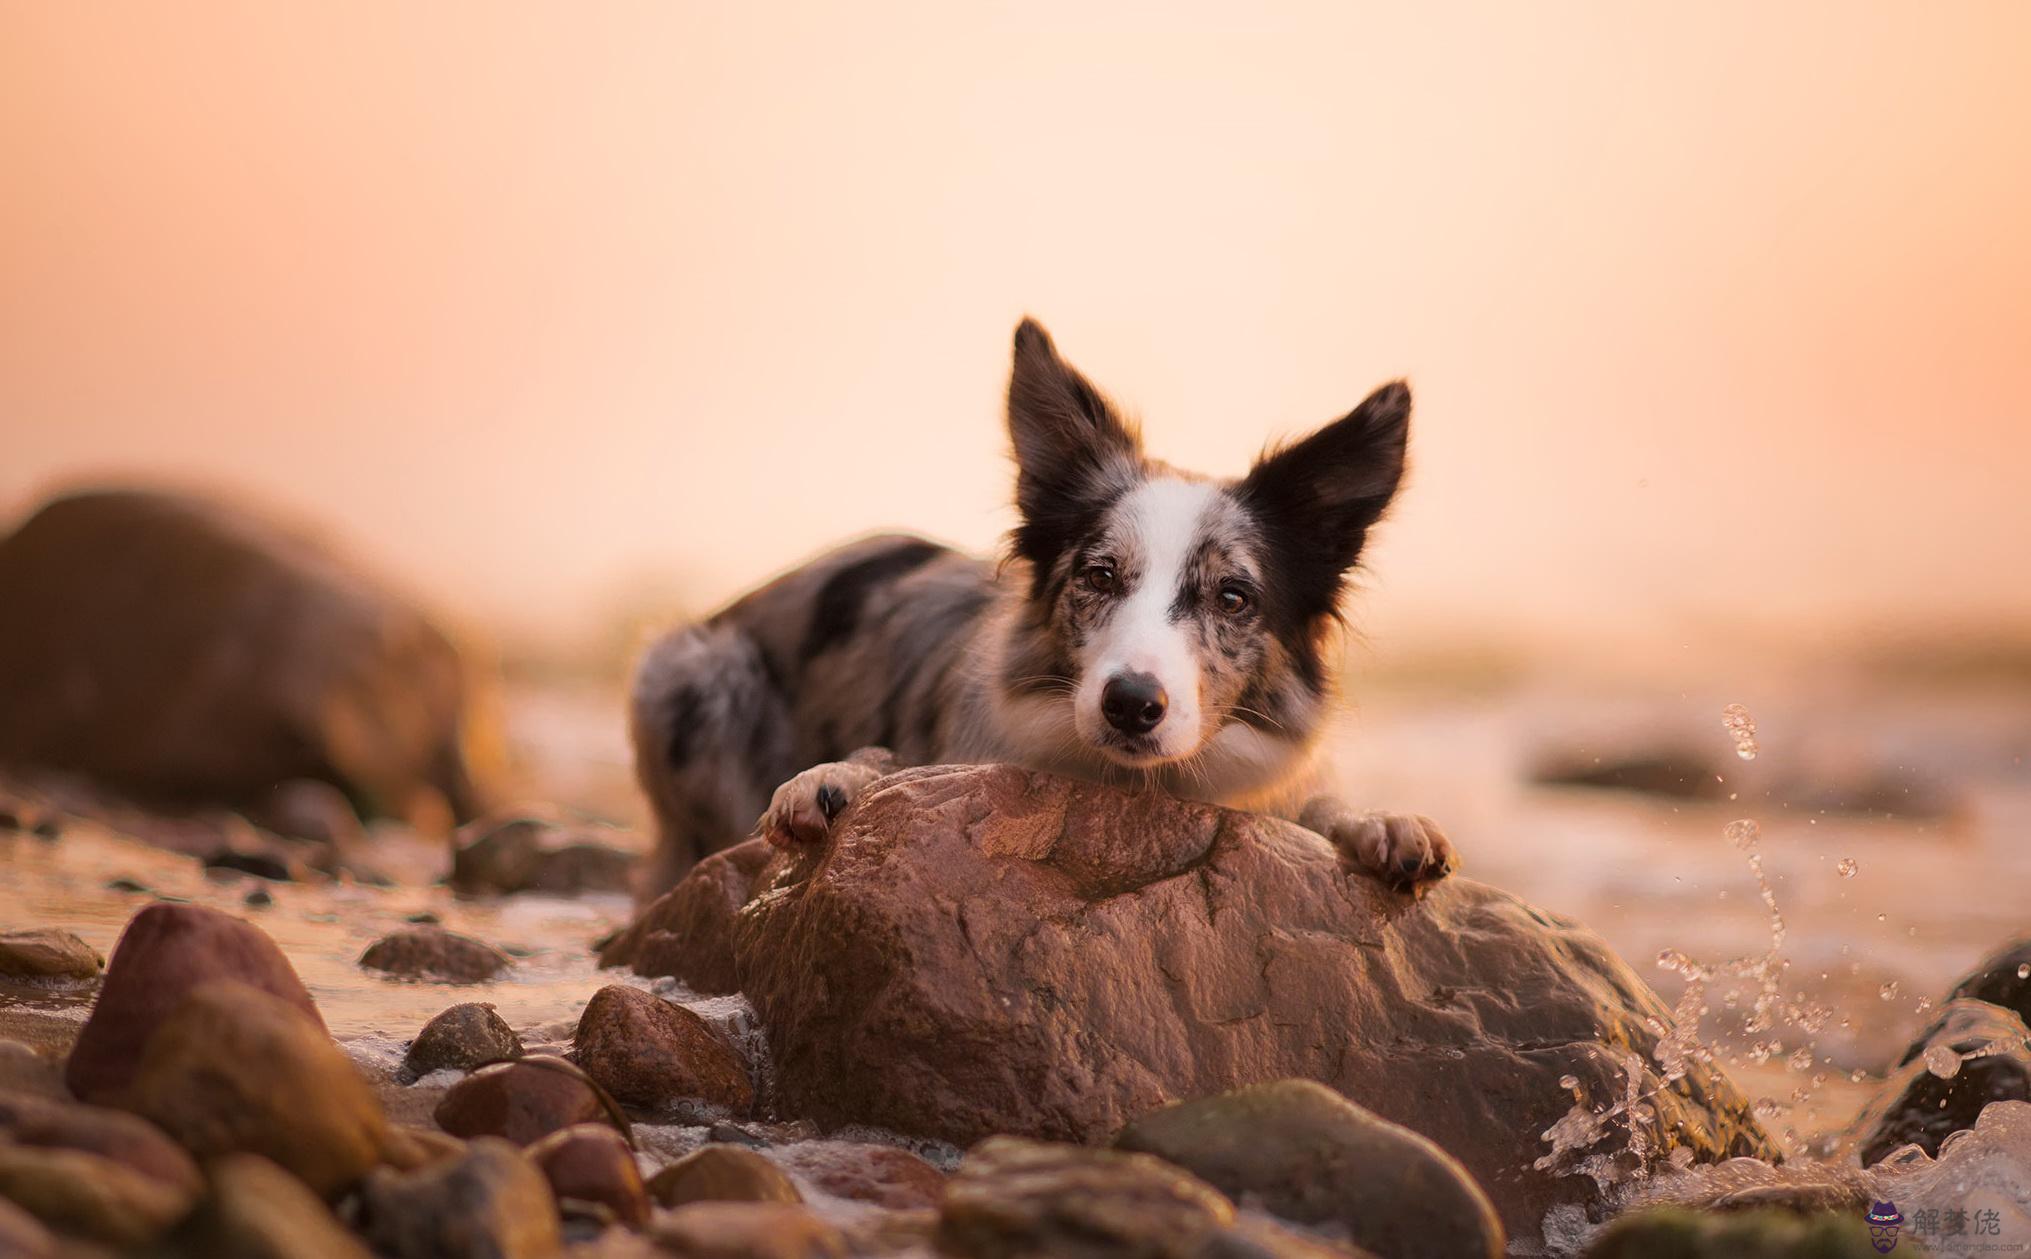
1401,849
712,736
802,809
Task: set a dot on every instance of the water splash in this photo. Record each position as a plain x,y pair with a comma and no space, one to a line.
1847,867
1742,727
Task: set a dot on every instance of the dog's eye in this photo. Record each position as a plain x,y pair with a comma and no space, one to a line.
1233,599
1099,578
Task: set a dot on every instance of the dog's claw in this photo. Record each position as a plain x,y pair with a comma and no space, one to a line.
803,809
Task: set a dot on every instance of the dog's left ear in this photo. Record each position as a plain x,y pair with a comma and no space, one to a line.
1323,493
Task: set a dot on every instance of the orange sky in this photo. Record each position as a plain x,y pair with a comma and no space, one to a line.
1709,308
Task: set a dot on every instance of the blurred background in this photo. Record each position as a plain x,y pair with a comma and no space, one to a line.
574,319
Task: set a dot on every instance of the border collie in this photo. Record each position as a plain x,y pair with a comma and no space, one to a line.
1148,628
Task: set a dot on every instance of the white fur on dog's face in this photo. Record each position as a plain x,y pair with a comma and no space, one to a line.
1169,542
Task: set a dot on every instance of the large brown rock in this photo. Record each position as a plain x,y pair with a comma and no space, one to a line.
74,1191
593,1163
28,1120
687,932
258,1211
982,950
184,652
522,1101
235,1070
165,951
488,1203
653,1053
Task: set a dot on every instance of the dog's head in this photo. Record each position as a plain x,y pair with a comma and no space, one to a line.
1165,608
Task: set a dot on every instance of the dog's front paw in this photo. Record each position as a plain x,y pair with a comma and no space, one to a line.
802,809
1401,849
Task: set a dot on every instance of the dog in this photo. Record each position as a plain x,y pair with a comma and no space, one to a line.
1147,628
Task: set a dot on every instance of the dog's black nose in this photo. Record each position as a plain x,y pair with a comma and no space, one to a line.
1133,703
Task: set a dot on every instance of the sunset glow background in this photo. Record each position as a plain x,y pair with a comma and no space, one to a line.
1719,316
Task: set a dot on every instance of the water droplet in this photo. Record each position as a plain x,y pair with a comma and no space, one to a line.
1742,832
1569,1081
1942,1061
1742,726
1847,867
1888,991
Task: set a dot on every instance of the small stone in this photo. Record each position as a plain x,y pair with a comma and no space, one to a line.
593,1163
73,1191
722,1173
883,1175
653,1053
164,952
258,1211
47,953
125,884
234,1069
747,1230
461,1038
521,1101
258,898
434,953
488,1203
133,1142
524,854
688,931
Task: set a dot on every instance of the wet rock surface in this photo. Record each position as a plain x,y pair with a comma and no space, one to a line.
986,950
47,953
236,1070
22,1236
165,951
592,1163
1305,1154
1975,1053
687,933
521,1101
652,1053
1013,1197
722,1173
461,1038
433,953
182,651
488,1203
526,854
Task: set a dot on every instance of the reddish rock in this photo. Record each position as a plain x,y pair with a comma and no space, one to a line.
259,1211
688,931
22,1236
521,1101
434,953
236,1070
982,950
722,1173
185,652
461,1038
881,1174
593,1163
73,1191
653,1053
747,1230
165,951
490,1202
47,953
112,1134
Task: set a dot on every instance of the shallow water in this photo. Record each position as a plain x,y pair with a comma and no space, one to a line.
1927,897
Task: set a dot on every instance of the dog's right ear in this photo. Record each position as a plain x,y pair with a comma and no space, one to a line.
1071,448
